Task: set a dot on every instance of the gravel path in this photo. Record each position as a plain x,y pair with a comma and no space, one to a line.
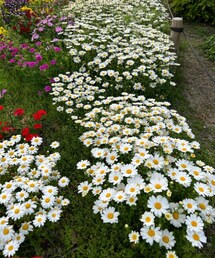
199,89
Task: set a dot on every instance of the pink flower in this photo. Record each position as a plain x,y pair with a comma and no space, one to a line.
44,67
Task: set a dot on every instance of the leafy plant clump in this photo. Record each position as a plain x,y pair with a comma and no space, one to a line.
202,10
209,47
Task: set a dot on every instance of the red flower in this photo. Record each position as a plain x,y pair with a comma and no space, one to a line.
25,131
37,126
30,136
1,107
1,136
38,115
19,112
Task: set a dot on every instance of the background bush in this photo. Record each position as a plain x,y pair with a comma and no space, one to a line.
202,10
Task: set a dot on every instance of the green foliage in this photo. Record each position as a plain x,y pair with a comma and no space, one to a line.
209,47
202,10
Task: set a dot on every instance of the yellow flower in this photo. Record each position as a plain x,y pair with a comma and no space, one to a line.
3,31
25,8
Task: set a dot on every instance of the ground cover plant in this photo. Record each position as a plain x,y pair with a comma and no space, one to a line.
137,156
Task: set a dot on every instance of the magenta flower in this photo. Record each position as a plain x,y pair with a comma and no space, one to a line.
38,57
32,50
44,67
53,62
57,49
47,88
38,43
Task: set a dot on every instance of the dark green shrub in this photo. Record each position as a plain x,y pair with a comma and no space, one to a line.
202,10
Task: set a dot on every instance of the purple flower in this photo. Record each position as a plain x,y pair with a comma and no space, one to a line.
38,57
53,62
31,50
12,61
38,43
57,49
47,88
44,67
24,46
52,80
40,29
58,29
2,93
35,36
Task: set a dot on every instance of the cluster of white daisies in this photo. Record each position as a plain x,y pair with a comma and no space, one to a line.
142,151
139,152
30,190
120,50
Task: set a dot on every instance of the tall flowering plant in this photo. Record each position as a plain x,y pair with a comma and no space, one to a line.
30,192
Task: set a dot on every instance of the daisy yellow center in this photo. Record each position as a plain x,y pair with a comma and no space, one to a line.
171,256
202,206
173,174
158,205
134,237
201,189
6,231
17,211
115,178
3,222
50,191
3,159
194,223
4,196
175,215
120,197
108,195
131,199
196,173
10,248
148,219
83,165
32,185
39,219
182,178
25,227
213,182
132,189
102,172
158,186
142,154
112,157
196,237
85,188
116,168
27,205
128,171
183,165
126,148
156,162
165,239
54,215
184,149
151,232
110,215
8,185
47,200
189,205
58,201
